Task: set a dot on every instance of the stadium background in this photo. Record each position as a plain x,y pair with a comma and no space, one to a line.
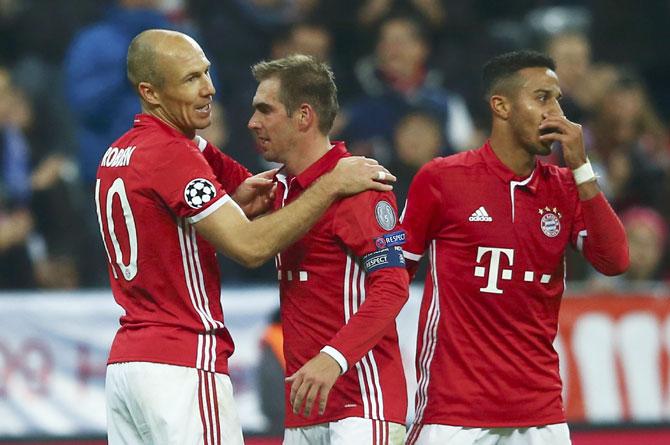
408,74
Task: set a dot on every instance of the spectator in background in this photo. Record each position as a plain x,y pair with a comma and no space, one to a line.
37,212
629,147
647,234
271,372
98,92
371,12
16,219
572,53
304,38
417,139
395,79
315,39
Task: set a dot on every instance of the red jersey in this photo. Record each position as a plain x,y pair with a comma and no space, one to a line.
152,184
489,314
342,285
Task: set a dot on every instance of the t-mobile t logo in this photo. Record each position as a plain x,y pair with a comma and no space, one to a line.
494,267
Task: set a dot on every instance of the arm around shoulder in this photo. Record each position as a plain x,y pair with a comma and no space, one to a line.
251,243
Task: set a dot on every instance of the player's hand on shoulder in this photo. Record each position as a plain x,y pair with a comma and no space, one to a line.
256,194
314,379
355,174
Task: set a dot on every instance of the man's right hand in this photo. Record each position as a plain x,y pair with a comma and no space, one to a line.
355,174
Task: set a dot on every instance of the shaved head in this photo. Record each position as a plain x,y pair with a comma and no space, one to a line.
149,51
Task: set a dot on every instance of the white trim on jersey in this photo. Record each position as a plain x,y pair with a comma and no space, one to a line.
514,184
200,142
580,239
412,256
429,338
209,210
337,356
195,283
366,367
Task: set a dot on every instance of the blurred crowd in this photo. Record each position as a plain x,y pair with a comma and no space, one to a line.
408,79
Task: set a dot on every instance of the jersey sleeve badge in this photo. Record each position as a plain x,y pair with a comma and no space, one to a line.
385,214
199,192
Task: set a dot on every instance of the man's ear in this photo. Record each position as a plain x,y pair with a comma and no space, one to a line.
500,106
306,116
149,93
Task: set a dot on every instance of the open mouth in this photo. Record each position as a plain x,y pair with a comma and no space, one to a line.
205,109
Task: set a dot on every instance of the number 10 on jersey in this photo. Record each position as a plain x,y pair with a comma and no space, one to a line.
118,188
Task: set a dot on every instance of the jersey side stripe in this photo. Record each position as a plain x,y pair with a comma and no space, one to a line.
348,303
205,317
429,339
432,340
371,358
368,361
201,358
364,361
201,281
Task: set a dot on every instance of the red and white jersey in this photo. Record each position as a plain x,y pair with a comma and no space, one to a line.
342,285
489,314
152,184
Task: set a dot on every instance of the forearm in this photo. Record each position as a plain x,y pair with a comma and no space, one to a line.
278,230
605,246
386,294
251,243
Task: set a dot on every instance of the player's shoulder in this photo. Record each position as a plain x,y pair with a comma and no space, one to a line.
160,148
462,162
366,199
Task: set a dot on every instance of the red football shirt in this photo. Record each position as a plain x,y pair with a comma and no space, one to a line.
152,184
489,314
342,285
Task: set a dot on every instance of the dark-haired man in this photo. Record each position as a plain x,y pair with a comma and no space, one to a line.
342,284
166,203
496,222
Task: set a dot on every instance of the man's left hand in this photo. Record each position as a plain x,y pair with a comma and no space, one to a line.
569,134
256,194
315,378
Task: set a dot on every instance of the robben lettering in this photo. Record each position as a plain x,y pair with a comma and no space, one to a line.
117,157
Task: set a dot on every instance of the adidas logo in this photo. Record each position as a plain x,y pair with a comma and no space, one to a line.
480,215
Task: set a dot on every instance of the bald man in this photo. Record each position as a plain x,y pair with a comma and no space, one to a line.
167,201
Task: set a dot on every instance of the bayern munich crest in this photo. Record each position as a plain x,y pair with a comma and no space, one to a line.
550,223
199,192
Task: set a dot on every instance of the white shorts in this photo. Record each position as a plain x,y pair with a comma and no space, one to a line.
153,403
352,430
433,434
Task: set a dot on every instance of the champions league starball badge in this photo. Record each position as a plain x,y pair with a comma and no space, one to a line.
550,223
385,215
199,192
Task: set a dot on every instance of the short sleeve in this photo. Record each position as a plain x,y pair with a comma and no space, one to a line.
421,216
368,225
186,183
